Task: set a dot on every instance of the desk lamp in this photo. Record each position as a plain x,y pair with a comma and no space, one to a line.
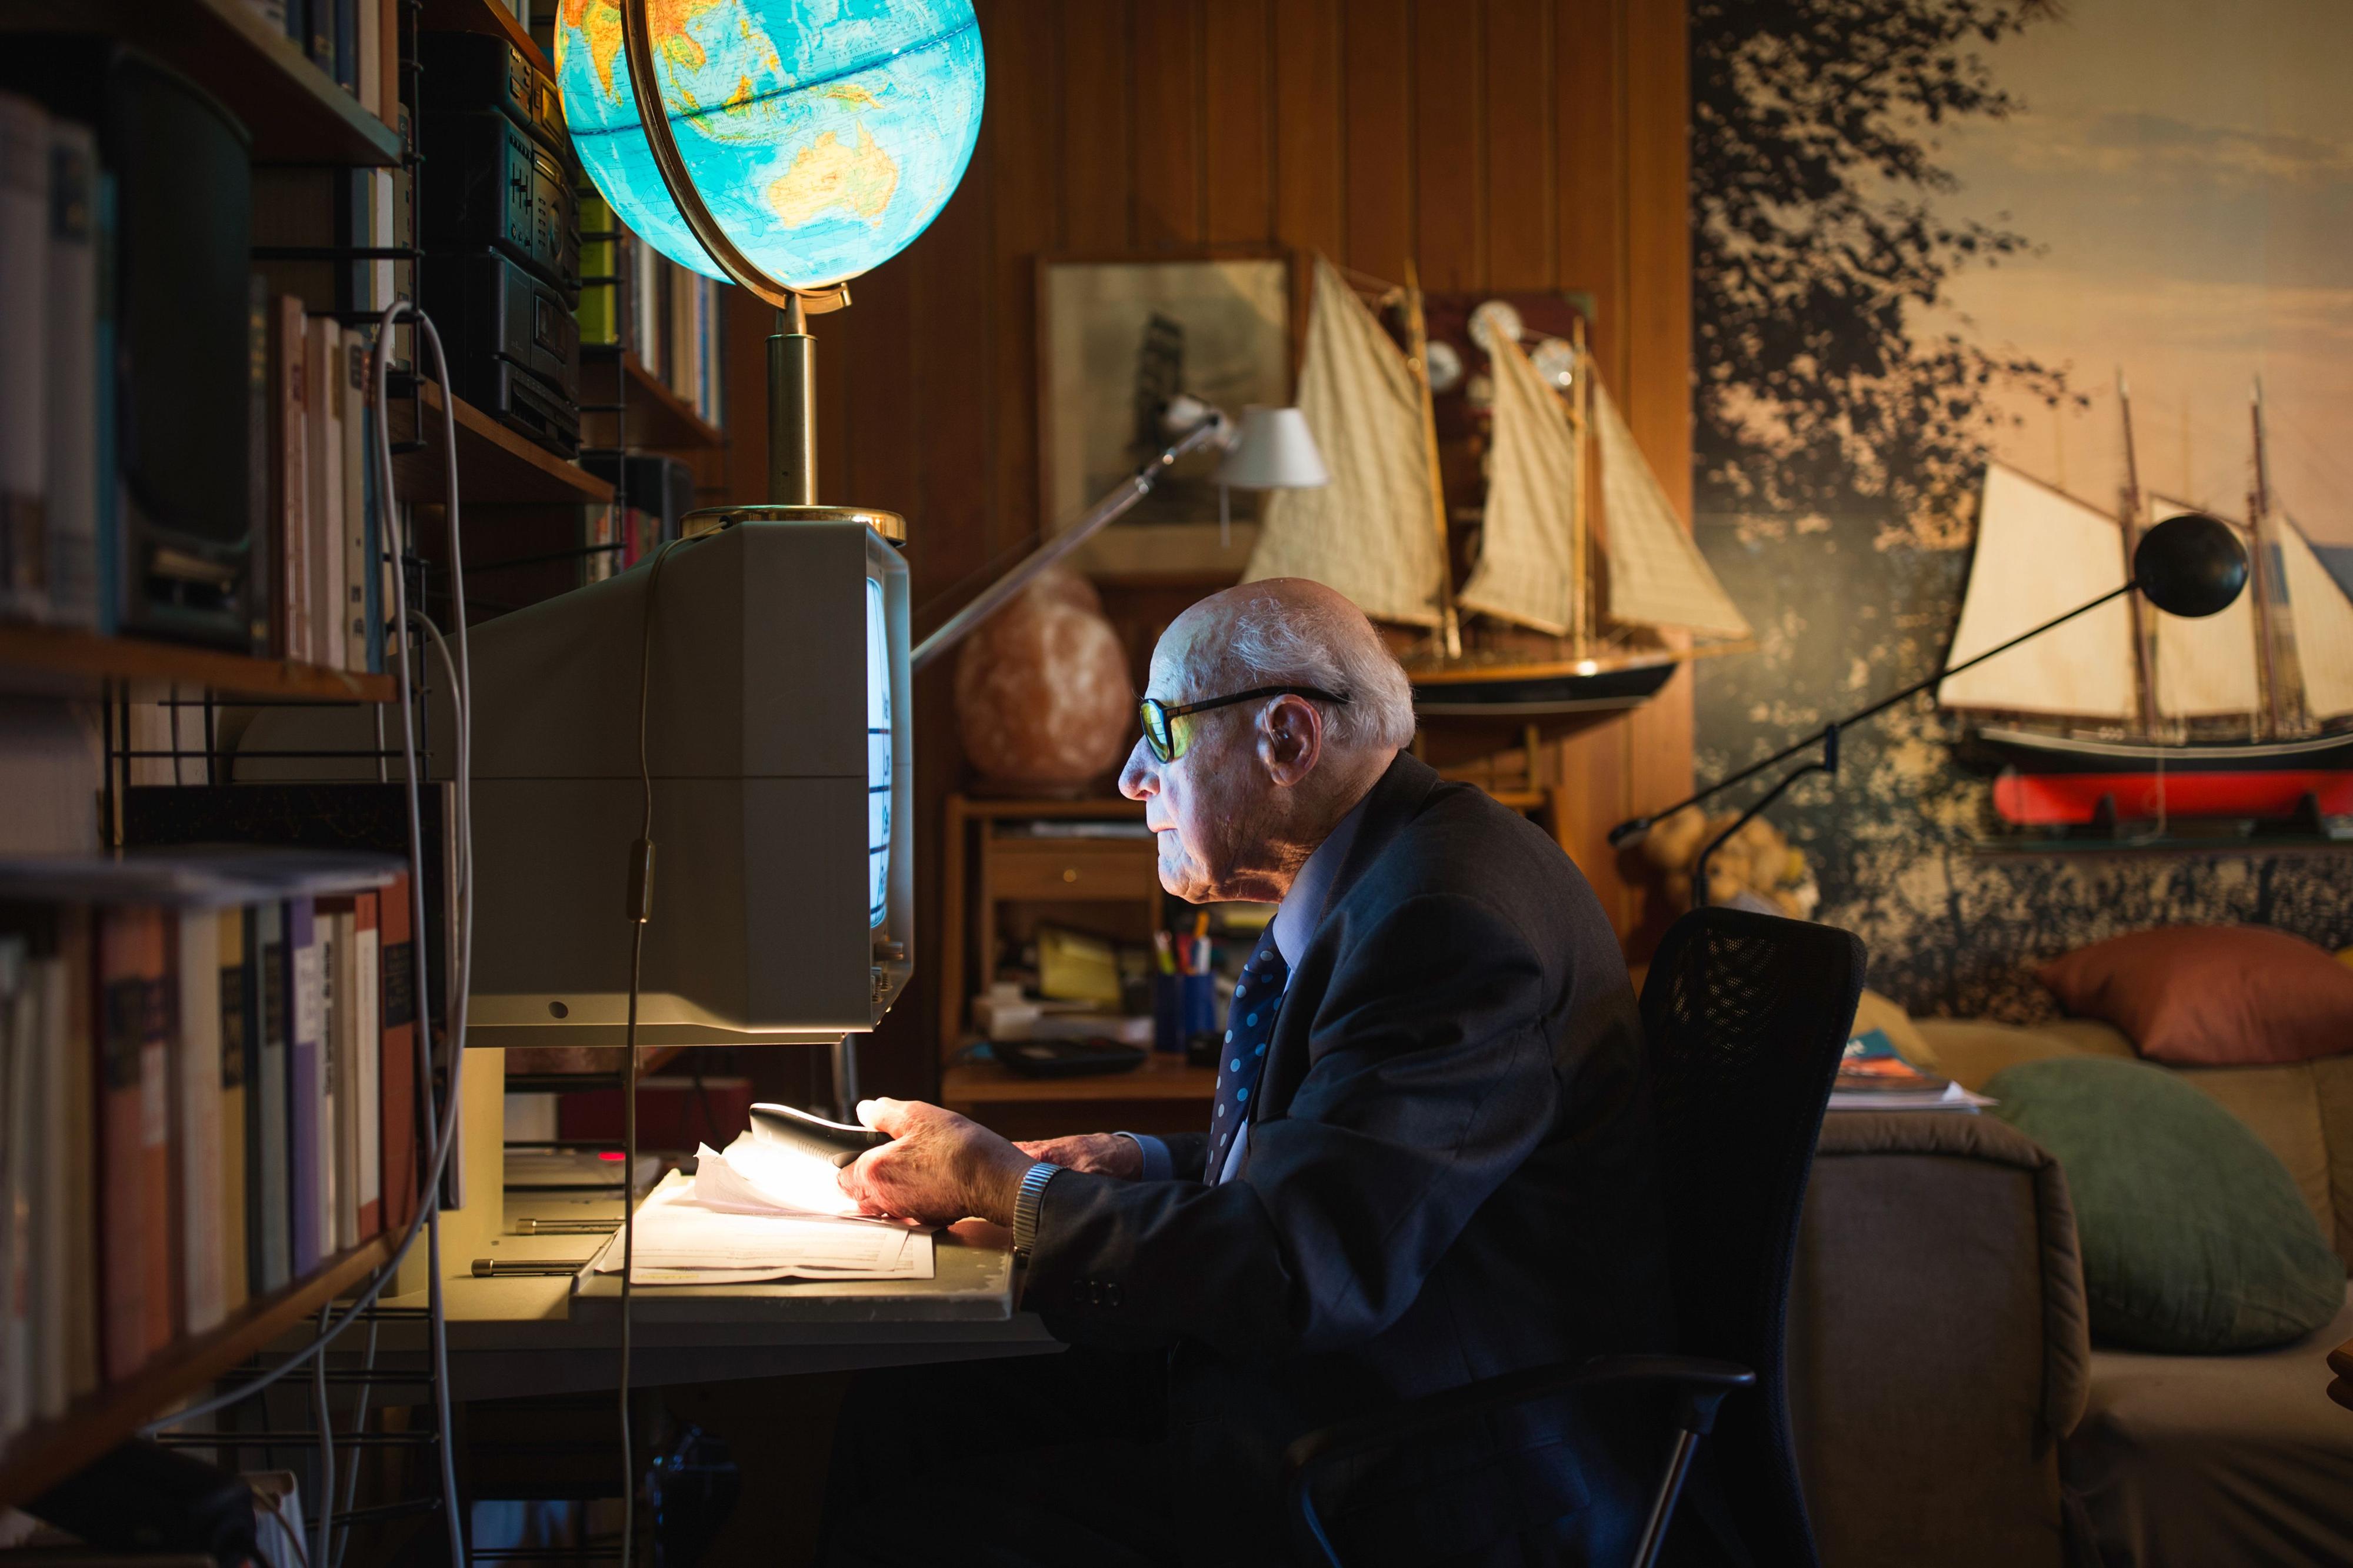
2191,565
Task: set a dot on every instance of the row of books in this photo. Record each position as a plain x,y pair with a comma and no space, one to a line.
51,349
356,42
329,570
200,1105
634,298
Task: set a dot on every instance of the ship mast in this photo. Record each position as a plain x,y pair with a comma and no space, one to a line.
1585,607
2259,506
1450,626
2128,520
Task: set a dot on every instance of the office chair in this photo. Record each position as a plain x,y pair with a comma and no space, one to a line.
1746,1017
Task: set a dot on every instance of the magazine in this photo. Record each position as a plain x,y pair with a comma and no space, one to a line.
1872,1076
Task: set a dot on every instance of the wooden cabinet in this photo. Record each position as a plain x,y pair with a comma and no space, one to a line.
1001,876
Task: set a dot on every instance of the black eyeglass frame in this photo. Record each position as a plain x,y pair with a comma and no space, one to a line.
1169,751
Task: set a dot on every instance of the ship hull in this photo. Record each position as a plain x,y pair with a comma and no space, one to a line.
1540,695
2059,781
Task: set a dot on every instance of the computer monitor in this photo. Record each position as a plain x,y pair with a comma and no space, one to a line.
778,746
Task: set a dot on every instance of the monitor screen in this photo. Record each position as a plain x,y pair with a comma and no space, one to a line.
878,757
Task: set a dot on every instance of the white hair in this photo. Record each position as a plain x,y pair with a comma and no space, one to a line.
1274,642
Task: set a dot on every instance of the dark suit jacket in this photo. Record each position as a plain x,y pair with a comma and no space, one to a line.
1449,1175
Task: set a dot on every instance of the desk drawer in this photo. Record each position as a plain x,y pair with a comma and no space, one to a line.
1128,870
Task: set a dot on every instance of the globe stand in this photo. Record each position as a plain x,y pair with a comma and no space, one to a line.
792,353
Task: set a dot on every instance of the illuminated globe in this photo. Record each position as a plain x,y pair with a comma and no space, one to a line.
824,135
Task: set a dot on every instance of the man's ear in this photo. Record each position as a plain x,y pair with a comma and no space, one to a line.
1290,739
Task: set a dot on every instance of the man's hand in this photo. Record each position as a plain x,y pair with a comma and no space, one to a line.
1103,1154
938,1168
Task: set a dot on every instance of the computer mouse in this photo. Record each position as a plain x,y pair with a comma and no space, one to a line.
791,1127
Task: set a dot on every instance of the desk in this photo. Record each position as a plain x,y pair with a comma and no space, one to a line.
1163,1095
533,1335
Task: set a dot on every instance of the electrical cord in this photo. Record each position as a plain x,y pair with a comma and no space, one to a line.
426,1221
640,911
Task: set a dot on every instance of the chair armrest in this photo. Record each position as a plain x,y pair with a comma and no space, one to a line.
1706,1383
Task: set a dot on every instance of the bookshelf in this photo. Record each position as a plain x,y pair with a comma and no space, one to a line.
658,419
486,16
46,1453
64,661
495,465
296,115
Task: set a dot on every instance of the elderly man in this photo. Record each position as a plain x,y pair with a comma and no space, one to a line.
1429,1162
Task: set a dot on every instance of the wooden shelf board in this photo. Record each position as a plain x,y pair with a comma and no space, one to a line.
295,111
1160,1077
48,1452
485,16
56,658
496,466
658,419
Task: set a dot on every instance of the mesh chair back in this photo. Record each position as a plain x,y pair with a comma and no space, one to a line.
1746,1018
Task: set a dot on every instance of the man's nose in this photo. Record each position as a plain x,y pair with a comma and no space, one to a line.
1137,780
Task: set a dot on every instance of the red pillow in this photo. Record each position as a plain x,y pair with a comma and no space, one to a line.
2213,996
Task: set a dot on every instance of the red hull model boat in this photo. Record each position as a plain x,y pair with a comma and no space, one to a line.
2129,714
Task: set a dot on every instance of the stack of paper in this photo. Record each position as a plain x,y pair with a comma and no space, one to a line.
756,1212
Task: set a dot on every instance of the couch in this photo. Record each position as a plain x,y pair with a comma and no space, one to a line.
1948,1404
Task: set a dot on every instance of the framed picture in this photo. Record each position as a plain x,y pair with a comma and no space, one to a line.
1118,339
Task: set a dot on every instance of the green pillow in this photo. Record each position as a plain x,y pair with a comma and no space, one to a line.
2193,1236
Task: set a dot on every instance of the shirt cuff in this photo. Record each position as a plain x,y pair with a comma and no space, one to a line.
1157,1165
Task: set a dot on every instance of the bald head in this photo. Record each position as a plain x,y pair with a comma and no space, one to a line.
1293,631
1254,786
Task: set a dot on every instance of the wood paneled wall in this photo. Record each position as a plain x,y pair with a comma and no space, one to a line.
1521,145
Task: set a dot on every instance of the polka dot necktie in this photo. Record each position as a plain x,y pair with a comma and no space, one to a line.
1248,1025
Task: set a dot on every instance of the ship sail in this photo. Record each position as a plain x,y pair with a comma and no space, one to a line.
2324,626
1368,533
2040,553
2206,665
1527,569
1657,575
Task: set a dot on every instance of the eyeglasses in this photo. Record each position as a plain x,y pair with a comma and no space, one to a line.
1170,739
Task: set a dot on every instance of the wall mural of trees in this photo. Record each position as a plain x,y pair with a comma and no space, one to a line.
1847,396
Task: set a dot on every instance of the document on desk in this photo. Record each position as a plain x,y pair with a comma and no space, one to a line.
750,1215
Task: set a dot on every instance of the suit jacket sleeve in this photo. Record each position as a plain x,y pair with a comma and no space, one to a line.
1429,1081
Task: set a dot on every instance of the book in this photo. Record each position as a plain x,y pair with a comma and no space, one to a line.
1874,1076
24,445
310,1169
55,1301
261,563
19,1058
110,433
70,358
399,1141
237,1022
367,45
366,1082
270,1255
195,1118
323,379
78,1153
290,527
336,953
129,952
352,511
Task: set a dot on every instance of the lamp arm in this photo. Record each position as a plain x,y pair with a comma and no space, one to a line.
1828,764
1626,832
1002,591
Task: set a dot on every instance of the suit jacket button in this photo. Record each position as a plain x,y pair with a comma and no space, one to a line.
1110,1294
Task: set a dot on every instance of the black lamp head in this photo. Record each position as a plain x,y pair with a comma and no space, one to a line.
2191,565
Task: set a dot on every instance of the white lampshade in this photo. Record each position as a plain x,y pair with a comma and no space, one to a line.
1273,451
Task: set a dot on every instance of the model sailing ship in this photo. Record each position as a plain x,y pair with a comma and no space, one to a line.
2130,713
1565,610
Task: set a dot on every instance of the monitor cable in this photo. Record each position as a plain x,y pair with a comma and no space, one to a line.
640,911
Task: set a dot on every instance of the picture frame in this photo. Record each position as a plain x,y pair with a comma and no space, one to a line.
1118,335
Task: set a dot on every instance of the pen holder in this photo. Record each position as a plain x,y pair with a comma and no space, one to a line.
1184,1007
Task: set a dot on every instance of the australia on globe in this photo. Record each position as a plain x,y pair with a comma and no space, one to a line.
824,135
